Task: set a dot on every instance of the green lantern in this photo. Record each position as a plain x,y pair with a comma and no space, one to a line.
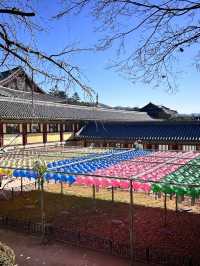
167,189
156,188
194,192
180,191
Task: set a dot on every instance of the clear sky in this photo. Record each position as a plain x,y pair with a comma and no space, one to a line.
113,89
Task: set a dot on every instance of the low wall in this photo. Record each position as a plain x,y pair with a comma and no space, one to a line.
34,138
67,135
53,137
12,139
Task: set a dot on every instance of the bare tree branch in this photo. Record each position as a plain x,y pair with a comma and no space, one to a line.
55,67
151,35
17,12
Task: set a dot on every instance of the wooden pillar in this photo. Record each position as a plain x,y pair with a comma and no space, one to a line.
73,127
145,146
24,133
45,133
198,147
153,147
171,147
84,143
156,147
61,133
179,147
1,134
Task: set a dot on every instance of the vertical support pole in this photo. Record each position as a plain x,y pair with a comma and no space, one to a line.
113,197
24,134
42,206
61,133
131,222
1,134
44,133
12,193
192,201
39,185
21,186
176,203
93,192
61,187
165,210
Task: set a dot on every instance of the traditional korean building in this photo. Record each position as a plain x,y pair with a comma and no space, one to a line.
158,111
162,135
29,116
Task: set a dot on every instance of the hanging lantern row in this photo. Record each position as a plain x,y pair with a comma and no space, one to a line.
80,158
47,176
6,172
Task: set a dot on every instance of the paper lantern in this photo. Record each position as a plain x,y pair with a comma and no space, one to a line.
167,189
156,188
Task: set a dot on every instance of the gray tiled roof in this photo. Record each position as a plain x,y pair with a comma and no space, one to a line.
7,73
23,109
7,92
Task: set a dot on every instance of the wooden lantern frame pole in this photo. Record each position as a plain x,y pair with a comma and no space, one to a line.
165,209
131,223
41,181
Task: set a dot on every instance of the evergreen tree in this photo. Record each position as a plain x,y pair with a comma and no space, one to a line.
75,98
58,93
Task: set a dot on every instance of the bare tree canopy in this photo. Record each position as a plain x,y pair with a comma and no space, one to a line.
19,22
150,34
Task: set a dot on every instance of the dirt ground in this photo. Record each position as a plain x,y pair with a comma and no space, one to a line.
105,219
30,251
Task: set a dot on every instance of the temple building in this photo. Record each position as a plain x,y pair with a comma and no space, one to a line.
29,116
158,135
158,111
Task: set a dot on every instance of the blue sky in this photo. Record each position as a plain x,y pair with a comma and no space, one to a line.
113,89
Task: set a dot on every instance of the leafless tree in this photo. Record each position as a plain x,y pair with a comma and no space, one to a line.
17,17
150,35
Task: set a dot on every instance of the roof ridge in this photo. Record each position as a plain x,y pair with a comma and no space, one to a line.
15,70
30,92
71,105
